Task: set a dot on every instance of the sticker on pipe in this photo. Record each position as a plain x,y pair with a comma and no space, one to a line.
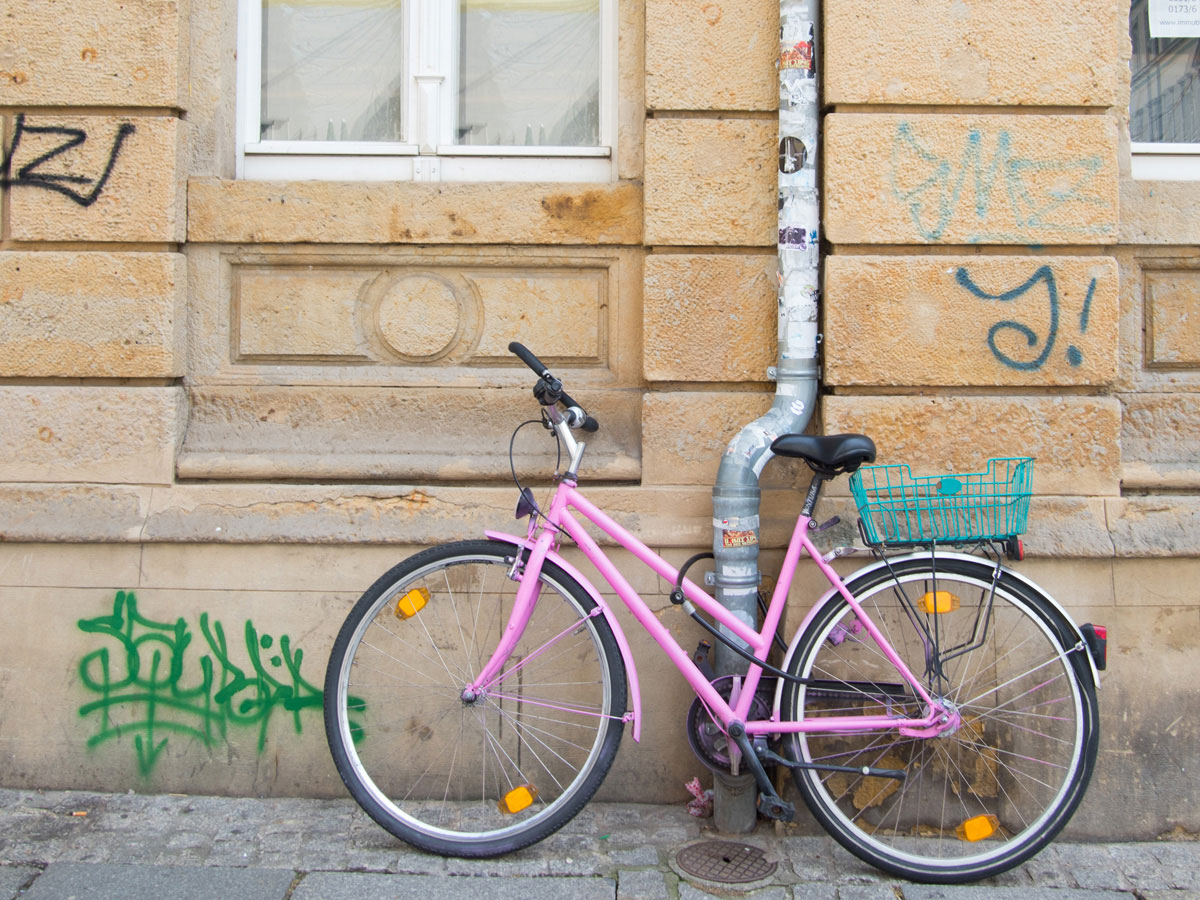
739,539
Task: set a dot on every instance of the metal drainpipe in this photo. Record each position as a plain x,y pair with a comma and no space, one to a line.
736,494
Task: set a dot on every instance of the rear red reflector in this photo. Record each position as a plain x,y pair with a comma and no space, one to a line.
1096,638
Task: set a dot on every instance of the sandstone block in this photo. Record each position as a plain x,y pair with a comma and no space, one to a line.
688,63
1155,526
91,53
414,316
97,178
97,434
362,432
73,513
1156,212
1160,434
91,315
436,312
412,213
970,320
1172,300
1005,52
1075,439
711,182
147,708
709,317
685,434
68,565
1149,582
970,179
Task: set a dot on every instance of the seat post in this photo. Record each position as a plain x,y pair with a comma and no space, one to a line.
814,491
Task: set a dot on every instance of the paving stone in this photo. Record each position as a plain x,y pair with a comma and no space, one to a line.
105,881
641,885
13,878
637,856
979,892
866,892
366,886
691,892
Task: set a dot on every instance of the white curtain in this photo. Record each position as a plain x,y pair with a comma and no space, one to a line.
332,70
529,72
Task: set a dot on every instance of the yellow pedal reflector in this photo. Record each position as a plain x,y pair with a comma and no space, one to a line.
939,602
411,603
977,828
518,798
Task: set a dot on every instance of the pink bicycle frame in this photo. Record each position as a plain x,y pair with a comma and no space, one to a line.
540,542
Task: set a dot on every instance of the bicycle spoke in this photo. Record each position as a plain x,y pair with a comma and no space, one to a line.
997,783
433,767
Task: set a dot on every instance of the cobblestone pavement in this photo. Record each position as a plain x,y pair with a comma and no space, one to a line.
56,845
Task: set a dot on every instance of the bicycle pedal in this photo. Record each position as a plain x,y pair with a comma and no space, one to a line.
776,808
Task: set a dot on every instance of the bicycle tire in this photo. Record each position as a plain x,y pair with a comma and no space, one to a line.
433,768
985,798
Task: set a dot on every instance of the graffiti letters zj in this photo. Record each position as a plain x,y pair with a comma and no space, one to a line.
41,171
151,683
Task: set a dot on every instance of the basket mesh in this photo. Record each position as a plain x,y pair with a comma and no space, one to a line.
896,507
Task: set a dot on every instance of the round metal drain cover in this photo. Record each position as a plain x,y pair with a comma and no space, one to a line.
725,862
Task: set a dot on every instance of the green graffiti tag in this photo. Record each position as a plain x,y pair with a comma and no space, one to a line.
151,687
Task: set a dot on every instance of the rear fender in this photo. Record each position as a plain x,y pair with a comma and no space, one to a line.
635,693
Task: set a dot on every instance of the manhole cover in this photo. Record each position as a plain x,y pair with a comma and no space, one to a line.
726,862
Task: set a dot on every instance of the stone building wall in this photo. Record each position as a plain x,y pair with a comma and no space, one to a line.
229,405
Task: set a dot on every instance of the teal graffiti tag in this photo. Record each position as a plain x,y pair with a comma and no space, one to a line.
1043,275
934,201
157,681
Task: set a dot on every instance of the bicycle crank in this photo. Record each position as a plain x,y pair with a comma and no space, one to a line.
707,737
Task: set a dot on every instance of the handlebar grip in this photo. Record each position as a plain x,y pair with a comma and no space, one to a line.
588,424
526,356
549,382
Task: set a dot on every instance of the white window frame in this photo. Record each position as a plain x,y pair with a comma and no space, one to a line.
430,95
1164,162
1161,161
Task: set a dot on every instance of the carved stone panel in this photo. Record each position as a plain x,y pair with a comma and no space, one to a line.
367,363
1173,318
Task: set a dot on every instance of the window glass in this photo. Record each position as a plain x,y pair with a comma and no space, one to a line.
332,70
1165,88
529,72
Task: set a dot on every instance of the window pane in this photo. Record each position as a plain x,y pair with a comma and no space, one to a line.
332,70
1165,97
529,72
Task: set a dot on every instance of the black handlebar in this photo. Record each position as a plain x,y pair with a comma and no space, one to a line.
549,389
526,356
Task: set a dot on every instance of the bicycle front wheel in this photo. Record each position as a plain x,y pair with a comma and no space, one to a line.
984,797
481,776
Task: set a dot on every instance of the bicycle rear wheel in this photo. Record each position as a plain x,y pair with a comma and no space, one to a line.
487,776
973,802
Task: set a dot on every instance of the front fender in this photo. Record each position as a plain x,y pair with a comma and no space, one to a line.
635,693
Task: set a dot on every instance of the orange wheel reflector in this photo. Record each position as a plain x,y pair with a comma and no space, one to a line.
939,602
517,799
977,828
411,603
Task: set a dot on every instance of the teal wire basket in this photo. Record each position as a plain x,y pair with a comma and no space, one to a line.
897,507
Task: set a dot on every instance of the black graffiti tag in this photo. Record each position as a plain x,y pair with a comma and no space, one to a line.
35,174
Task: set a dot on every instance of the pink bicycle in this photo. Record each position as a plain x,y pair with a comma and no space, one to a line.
937,711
